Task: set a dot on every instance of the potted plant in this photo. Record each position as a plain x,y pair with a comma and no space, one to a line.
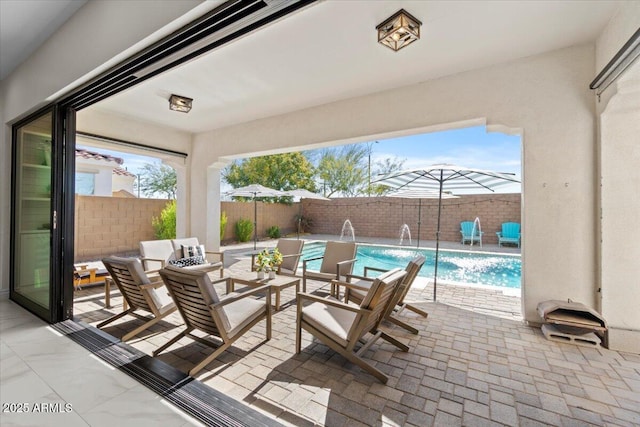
268,261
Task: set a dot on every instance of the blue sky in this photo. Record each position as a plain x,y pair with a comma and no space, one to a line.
471,147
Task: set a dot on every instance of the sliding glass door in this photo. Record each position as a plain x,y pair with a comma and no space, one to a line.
38,226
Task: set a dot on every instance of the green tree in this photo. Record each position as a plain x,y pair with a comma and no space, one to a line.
381,168
344,170
158,179
164,226
279,171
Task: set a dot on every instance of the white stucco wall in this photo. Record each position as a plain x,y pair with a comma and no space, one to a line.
618,112
121,182
547,96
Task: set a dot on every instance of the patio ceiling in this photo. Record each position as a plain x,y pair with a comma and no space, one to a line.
328,52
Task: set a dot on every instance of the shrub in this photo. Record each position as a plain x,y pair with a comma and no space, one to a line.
305,223
165,226
244,228
273,232
223,224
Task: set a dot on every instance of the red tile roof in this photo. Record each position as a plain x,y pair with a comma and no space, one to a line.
122,172
92,155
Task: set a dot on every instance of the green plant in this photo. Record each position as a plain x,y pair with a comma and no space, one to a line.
244,228
268,260
273,232
304,222
165,225
223,224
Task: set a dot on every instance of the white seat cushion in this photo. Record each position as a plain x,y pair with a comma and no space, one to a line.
242,312
161,299
357,292
331,321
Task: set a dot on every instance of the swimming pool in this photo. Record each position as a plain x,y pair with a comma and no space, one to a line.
480,268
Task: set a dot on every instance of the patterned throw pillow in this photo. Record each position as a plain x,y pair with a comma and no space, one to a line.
187,262
189,251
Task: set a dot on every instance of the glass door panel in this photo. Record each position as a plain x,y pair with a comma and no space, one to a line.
33,218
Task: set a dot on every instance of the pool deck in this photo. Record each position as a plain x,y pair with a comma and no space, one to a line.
474,362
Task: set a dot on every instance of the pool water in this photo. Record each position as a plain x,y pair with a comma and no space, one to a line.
480,268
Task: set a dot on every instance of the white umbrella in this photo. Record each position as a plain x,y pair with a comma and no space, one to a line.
302,193
254,191
419,194
445,177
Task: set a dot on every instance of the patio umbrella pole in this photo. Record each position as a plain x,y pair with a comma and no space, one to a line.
419,216
435,272
255,222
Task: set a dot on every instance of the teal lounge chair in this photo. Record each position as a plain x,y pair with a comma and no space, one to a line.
510,233
469,234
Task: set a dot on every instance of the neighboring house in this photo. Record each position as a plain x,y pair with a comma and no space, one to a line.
101,175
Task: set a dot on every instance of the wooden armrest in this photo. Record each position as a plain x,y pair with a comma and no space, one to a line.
291,255
153,285
355,276
304,261
349,285
305,296
381,270
161,261
220,254
347,262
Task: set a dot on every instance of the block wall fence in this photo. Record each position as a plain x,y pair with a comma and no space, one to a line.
269,214
384,216
112,225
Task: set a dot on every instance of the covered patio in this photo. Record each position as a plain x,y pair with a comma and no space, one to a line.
474,362
522,68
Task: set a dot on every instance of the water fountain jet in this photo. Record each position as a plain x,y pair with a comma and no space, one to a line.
347,229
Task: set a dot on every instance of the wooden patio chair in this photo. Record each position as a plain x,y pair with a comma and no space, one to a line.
291,251
337,262
139,291
398,303
156,254
342,326
227,319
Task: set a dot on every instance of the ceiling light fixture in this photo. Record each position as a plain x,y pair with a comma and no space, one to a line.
398,31
180,103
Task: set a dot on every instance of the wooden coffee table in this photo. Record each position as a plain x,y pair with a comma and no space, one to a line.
277,284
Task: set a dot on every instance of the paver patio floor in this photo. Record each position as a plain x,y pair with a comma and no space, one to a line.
474,362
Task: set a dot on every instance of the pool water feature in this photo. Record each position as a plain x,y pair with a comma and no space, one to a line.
481,268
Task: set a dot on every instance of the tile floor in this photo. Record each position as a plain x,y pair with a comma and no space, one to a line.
473,363
48,380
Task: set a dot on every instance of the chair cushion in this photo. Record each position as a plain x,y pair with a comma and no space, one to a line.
336,252
161,299
156,249
177,245
187,262
191,251
357,293
331,321
242,312
289,247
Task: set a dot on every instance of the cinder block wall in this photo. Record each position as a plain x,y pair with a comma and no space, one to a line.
384,216
112,225
269,214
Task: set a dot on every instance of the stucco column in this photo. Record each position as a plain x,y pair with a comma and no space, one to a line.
182,197
620,211
213,205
